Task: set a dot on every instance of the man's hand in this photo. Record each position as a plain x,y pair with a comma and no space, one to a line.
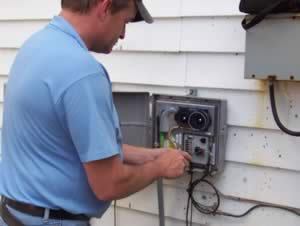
138,155
173,163
119,180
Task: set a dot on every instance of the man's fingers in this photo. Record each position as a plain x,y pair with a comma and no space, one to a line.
186,163
186,155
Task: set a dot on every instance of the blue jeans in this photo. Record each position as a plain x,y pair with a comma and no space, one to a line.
29,220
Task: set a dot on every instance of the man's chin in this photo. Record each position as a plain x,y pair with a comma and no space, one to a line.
103,51
109,51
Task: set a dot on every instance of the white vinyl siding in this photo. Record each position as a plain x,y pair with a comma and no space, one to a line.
192,44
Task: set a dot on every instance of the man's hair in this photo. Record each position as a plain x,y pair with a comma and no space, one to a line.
84,6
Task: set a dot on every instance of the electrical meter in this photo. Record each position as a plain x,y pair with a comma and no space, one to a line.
191,124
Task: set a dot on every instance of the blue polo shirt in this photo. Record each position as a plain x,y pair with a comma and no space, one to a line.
58,114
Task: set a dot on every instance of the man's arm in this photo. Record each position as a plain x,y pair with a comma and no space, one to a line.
138,155
112,179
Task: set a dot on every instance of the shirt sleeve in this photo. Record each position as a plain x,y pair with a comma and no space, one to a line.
88,110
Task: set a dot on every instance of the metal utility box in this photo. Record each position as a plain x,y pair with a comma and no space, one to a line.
272,48
195,125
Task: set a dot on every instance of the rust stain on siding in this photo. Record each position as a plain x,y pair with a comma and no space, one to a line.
261,104
258,159
262,85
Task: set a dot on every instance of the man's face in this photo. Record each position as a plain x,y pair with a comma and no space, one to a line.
115,27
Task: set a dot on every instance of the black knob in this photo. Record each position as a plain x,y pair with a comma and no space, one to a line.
198,151
203,140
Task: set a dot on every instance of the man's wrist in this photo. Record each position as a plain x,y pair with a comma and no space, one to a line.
157,168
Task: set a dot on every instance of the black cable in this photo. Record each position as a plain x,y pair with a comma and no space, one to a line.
188,201
187,212
191,216
274,111
256,207
213,210
200,207
115,212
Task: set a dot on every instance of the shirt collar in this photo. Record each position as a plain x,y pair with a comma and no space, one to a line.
62,24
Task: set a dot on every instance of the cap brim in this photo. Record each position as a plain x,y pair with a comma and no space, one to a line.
142,13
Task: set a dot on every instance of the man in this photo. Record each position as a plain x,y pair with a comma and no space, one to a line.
62,156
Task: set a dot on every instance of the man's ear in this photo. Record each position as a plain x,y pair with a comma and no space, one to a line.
103,9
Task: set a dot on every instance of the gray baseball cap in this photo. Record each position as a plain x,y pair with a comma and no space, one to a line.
142,13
